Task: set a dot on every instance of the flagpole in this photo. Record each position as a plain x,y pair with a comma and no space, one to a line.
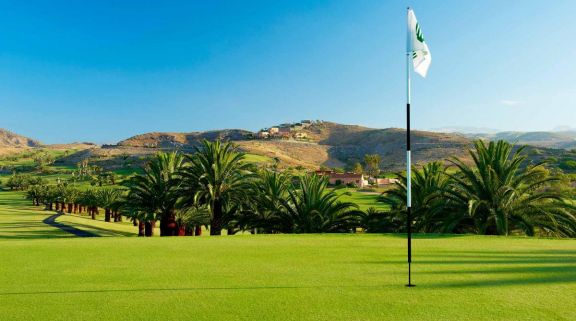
408,164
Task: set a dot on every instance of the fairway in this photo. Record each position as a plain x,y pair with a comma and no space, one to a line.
276,277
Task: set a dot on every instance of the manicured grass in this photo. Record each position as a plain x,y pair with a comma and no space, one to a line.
278,277
20,220
287,277
364,200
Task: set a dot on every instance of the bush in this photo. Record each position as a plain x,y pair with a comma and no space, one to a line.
568,164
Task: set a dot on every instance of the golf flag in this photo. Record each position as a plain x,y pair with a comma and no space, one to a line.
421,57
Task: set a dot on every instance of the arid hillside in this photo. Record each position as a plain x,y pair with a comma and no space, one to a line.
325,144
318,144
10,139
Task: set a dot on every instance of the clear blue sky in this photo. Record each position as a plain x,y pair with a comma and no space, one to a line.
105,70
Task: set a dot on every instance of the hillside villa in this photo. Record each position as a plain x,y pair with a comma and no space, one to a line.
344,178
359,180
286,131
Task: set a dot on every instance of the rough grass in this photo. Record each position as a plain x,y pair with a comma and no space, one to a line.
279,277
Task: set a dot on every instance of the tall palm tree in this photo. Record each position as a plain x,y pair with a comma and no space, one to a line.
218,177
156,191
313,208
502,195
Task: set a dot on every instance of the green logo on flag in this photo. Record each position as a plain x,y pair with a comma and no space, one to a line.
419,34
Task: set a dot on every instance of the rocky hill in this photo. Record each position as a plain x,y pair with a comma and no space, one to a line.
185,140
10,139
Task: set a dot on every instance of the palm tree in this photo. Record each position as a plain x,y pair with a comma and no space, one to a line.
50,196
89,199
268,196
429,206
191,219
68,197
218,177
375,221
313,208
35,193
502,196
108,199
156,191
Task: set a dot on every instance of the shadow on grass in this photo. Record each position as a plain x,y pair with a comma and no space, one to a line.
92,227
471,269
30,235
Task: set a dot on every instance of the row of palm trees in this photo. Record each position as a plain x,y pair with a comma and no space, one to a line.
496,193
68,199
214,187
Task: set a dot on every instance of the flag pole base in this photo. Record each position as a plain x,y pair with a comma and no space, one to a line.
410,285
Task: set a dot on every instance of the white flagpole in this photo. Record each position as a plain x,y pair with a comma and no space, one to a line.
408,157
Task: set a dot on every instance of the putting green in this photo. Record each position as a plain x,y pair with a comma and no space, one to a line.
283,277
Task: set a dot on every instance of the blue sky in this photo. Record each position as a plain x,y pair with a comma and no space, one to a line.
106,70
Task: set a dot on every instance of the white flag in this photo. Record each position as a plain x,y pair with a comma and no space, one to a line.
417,47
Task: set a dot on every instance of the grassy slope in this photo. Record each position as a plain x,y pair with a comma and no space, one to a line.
277,277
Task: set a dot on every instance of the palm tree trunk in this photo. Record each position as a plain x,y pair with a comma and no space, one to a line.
149,228
168,226
107,214
198,230
141,227
189,231
216,220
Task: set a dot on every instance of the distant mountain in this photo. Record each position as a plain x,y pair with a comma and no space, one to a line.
465,130
10,139
326,144
563,140
310,145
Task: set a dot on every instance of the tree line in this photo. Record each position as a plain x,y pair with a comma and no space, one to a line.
214,187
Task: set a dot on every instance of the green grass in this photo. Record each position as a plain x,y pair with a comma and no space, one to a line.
253,158
365,200
277,277
20,220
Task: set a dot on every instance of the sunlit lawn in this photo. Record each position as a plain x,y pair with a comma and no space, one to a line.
276,277
364,200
